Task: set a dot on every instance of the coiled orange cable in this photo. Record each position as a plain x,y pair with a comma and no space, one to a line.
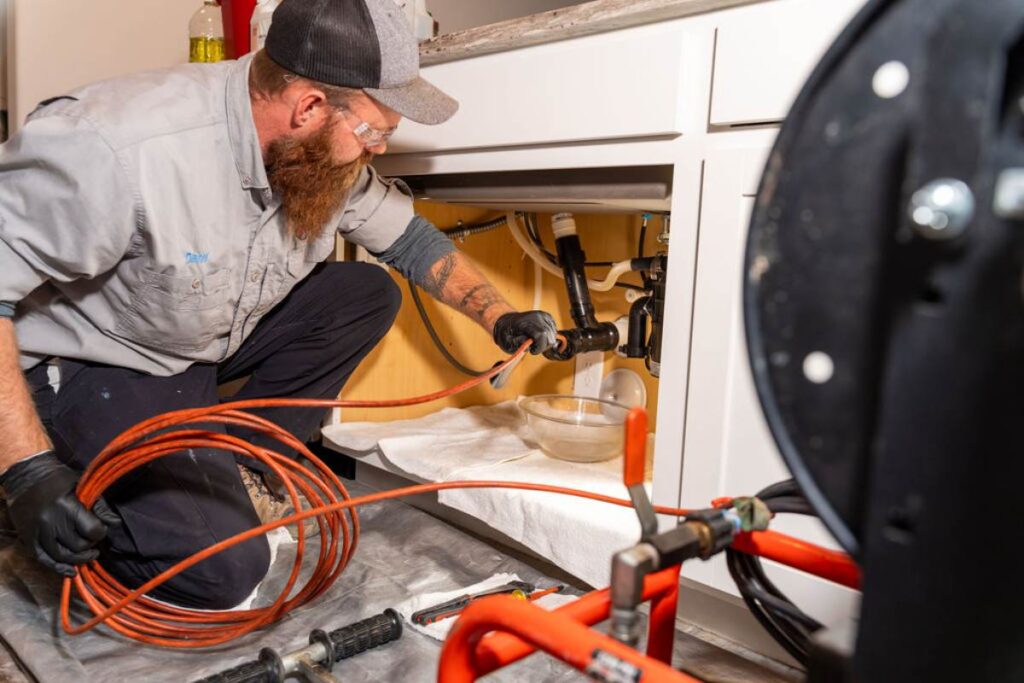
132,614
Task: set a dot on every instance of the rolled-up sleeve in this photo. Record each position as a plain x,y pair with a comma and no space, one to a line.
377,213
420,247
67,210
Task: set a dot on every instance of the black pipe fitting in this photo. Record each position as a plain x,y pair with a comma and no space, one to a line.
572,259
657,312
636,344
600,337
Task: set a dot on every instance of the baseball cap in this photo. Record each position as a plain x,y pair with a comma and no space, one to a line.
365,44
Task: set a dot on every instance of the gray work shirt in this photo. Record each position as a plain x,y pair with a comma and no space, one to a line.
138,229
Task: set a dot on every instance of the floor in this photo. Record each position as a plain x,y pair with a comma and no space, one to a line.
403,550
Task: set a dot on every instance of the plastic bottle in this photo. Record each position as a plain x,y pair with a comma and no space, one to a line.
206,34
260,24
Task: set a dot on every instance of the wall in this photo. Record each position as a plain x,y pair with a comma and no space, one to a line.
3,54
455,15
58,45
406,363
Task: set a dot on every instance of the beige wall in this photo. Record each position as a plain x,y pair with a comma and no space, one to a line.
60,44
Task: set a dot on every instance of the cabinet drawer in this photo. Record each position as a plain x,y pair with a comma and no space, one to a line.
623,84
764,53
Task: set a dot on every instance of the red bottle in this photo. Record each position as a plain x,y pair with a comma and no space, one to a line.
237,14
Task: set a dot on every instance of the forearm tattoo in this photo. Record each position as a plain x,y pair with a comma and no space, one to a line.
455,281
481,299
436,283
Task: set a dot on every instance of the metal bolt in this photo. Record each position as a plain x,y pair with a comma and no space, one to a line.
666,223
942,209
1009,194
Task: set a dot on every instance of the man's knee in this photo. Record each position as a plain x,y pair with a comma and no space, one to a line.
376,286
223,580
390,296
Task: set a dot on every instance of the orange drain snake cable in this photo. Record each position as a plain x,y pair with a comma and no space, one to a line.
132,614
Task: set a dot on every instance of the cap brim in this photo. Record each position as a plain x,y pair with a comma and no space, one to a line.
419,101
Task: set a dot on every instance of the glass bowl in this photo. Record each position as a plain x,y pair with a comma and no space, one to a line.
576,428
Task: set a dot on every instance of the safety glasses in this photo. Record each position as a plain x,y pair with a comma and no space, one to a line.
364,132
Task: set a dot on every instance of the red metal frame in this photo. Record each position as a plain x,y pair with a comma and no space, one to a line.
498,650
553,632
833,565
521,628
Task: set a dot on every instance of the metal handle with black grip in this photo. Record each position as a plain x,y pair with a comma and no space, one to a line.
263,670
339,644
349,641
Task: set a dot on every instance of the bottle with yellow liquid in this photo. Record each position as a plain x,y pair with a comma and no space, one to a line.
206,34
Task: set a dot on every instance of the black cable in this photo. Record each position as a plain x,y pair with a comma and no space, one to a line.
790,504
455,363
784,621
643,237
530,221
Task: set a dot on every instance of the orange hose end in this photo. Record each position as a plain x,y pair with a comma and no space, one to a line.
635,460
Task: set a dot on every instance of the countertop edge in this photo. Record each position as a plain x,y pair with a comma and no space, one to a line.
599,16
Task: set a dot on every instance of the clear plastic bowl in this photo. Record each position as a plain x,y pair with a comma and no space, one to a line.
576,428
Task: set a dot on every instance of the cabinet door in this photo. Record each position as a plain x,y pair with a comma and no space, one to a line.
728,449
765,52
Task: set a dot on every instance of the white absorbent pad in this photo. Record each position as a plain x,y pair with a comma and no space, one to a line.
439,629
436,447
494,443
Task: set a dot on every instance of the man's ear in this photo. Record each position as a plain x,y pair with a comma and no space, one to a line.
309,109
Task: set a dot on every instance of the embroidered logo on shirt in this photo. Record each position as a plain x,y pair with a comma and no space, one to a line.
194,257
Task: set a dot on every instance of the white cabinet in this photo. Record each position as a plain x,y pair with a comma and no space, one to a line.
610,86
728,448
764,53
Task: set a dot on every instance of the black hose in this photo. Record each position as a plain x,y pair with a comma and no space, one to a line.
421,309
784,621
643,237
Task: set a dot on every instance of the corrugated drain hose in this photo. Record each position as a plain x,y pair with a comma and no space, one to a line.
135,616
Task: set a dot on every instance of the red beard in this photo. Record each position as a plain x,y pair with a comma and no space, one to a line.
312,186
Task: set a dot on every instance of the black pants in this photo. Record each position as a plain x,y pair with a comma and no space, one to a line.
306,347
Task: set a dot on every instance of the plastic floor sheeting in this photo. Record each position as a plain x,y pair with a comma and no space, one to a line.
402,552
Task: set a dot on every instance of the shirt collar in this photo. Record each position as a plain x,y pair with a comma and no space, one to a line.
245,144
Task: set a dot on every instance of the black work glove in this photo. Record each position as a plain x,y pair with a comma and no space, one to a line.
512,329
52,524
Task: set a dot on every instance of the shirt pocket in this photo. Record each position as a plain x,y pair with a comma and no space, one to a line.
184,312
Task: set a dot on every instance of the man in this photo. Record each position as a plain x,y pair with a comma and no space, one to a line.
164,233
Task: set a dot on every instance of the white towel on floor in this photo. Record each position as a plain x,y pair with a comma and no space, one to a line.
576,534
438,446
494,443
439,629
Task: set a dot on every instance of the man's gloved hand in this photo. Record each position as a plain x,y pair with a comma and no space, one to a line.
512,329
52,524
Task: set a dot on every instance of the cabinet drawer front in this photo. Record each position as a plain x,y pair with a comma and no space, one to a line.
616,85
764,53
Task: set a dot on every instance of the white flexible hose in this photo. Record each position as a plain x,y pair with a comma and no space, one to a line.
540,259
617,271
